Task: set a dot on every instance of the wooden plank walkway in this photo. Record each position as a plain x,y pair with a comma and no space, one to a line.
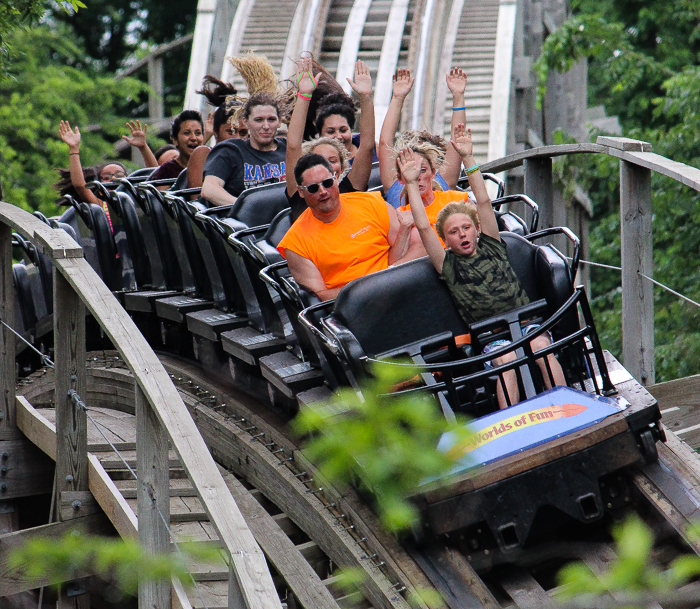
299,567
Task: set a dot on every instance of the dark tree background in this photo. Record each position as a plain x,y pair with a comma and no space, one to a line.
114,33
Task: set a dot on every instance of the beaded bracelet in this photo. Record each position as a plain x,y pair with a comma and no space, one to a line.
458,109
304,96
472,170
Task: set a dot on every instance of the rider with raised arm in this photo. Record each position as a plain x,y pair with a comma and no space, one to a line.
330,148
449,172
104,173
475,266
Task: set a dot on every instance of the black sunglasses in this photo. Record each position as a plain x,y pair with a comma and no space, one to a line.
313,188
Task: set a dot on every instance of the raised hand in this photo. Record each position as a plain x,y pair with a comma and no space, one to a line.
362,85
462,141
138,134
303,68
70,137
402,83
405,218
456,81
408,166
208,128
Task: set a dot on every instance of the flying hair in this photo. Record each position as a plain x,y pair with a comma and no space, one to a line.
432,151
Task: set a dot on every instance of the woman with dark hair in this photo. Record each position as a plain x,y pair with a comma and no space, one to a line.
332,149
222,95
220,124
336,118
186,133
166,153
73,181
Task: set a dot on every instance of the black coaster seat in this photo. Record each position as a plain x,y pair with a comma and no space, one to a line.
195,285
407,312
150,237
91,226
265,248
128,237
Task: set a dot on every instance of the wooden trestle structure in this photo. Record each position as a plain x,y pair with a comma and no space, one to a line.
133,393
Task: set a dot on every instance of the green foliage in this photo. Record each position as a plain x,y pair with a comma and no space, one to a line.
115,32
632,578
23,13
119,560
389,444
644,65
50,82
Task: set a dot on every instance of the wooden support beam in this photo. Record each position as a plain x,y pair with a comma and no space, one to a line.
155,82
13,581
538,186
71,422
153,498
7,339
24,470
637,292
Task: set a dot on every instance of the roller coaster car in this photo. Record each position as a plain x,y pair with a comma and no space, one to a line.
549,451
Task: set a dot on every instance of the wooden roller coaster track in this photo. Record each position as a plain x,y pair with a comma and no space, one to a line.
216,466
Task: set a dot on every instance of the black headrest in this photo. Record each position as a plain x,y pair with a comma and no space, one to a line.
521,255
543,274
181,182
278,227
375,179
258,206
143,172
24,295
398,306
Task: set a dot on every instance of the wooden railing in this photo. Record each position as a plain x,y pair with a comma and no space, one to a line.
636,164
161,416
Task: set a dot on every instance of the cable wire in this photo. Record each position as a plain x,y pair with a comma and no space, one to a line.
75,398
654,281
44,358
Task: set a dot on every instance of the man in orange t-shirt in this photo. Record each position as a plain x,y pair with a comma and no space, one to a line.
340,237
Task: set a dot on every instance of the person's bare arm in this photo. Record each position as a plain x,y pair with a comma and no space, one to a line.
295,132
306,274
208,128
77,179
457,83
410,170
195,168
362,165
399,237
402,85
213,190
462,143
138,140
